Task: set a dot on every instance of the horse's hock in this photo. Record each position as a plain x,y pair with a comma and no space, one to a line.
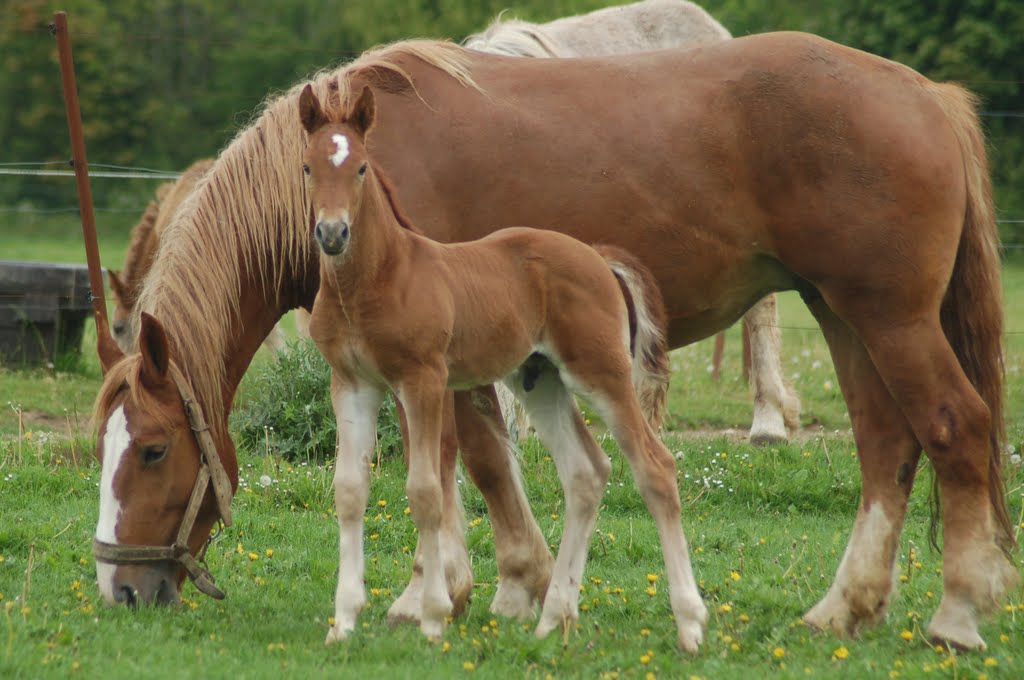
43,308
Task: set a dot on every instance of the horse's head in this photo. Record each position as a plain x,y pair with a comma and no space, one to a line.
123,301
335,163
153,461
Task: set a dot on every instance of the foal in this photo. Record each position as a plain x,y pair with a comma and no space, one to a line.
537,309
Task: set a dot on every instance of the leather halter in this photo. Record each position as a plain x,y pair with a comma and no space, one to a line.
211,472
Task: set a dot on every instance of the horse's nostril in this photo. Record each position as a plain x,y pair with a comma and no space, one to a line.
319,232
344,232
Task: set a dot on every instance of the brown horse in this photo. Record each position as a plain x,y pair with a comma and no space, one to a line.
769,162
540,310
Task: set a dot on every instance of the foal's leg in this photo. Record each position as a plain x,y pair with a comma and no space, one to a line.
653,467
524,560
887,451
583,469
458,572
355,408
776,406
953,423
423,396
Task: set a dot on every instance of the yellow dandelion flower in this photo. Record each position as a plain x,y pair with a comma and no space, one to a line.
778,652
554,515
446,646
650,676
382,503
735,647
725,608
982,676
375,592
270,552
724,456
239,549
744,618
651,591
644,632
991,661
894,674
330,620
407,510
645,659
253,557
468,666
651,578
75,585
903,578
841,653
374,537
1004,638
906,635
734,575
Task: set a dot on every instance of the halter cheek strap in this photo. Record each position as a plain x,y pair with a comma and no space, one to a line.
211,473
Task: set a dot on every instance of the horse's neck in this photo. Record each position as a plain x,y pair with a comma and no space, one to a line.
378,242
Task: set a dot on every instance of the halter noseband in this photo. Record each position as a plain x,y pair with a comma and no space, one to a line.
211,472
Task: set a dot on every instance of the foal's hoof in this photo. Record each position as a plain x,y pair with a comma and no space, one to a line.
691,637
336,634
513,601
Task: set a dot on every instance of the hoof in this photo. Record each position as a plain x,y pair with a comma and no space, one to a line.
513,601
956,625
691,637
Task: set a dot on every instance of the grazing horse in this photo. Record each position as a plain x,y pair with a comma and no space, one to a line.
769,162
538,309
638,27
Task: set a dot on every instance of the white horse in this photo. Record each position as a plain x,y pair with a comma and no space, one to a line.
641,26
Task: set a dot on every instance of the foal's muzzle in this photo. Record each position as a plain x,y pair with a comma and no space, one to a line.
332,236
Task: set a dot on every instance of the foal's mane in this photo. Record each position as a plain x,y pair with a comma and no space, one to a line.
141,250
253,202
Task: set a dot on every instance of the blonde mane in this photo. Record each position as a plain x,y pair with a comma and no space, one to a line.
252,201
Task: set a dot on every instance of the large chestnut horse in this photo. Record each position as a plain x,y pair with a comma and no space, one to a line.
771,162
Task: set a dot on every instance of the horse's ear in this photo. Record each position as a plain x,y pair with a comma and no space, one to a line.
156,354
108,350
116,285
310,113
363,111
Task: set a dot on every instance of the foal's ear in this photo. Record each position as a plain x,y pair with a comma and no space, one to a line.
310,113
156,354
363,111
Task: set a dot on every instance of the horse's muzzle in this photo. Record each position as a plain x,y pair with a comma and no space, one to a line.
332,236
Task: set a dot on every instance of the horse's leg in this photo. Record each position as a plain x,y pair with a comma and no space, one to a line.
524,560
457,569
423,396
355,408
776,406
583,470
512,411
953,423
887,451
612,395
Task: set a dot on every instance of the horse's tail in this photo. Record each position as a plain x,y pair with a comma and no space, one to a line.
647,324
972,311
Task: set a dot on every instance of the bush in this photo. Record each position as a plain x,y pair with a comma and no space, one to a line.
288,410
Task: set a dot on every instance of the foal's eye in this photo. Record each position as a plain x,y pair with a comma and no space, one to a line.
305,168
153,454
362,169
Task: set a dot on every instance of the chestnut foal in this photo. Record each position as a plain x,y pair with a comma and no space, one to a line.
538,309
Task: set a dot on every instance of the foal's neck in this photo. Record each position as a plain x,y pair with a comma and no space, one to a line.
380,240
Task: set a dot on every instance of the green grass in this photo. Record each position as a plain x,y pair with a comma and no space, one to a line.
766,531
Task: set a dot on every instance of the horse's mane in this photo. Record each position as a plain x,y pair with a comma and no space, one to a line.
253,202
141,249
125,374
513,38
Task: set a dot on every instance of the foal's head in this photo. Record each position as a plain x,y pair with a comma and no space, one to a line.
336,165
149,461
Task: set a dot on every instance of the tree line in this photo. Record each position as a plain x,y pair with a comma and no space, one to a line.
163,82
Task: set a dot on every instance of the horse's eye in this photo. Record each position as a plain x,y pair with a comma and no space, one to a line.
362,169
153,454
305,168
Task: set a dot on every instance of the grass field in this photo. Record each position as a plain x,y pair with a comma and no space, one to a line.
766,530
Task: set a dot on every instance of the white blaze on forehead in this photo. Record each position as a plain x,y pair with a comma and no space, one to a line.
115,442
339,156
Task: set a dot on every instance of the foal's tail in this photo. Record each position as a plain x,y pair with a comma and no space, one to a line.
972,311
647,323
